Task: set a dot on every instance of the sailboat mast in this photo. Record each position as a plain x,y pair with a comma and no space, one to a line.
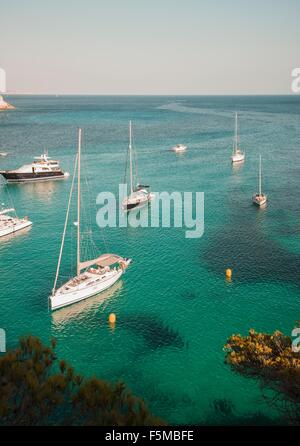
259,186
130,158
78,203
236,134
65,228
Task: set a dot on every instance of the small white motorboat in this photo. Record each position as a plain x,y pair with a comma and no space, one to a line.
179,148
259,199
3,154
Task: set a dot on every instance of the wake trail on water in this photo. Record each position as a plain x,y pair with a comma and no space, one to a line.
251,115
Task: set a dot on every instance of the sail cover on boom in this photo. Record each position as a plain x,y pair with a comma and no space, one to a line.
103,260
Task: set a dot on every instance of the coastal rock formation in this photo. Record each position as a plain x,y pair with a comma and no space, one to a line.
5,105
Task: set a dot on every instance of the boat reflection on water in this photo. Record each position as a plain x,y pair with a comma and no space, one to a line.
237,167
82,308
262,206
42,190
237,174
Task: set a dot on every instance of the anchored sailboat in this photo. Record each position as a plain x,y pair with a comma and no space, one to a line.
93,276
259,198
139,193
10,224
9,220
238,155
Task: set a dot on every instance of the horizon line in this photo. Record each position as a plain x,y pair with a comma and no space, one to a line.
11,93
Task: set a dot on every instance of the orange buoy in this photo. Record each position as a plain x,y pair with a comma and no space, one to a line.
112,318
228,273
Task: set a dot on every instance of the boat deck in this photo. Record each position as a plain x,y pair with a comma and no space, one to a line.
90,277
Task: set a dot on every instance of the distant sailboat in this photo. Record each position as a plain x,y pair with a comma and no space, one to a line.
260,198
238,155
93,276
139,194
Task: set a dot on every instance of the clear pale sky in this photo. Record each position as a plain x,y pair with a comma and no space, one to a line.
149,46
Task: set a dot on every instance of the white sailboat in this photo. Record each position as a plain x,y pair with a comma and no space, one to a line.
10,224
139,194
260,198
93,276
238,155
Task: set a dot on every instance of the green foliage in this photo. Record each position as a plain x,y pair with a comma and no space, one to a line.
270,359
38,389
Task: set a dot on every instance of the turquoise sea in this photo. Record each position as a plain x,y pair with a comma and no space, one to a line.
174,308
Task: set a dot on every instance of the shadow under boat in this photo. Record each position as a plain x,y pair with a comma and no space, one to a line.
79,309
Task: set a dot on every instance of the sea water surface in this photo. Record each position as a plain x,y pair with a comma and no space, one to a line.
174,308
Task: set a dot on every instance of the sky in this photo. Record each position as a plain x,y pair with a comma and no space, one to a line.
158,47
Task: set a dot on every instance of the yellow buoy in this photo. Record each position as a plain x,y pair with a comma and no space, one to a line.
112,318
228,273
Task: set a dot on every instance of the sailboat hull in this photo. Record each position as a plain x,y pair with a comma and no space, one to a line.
16,177
238,158
11,228
137,201
259,200
137,204
63,298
